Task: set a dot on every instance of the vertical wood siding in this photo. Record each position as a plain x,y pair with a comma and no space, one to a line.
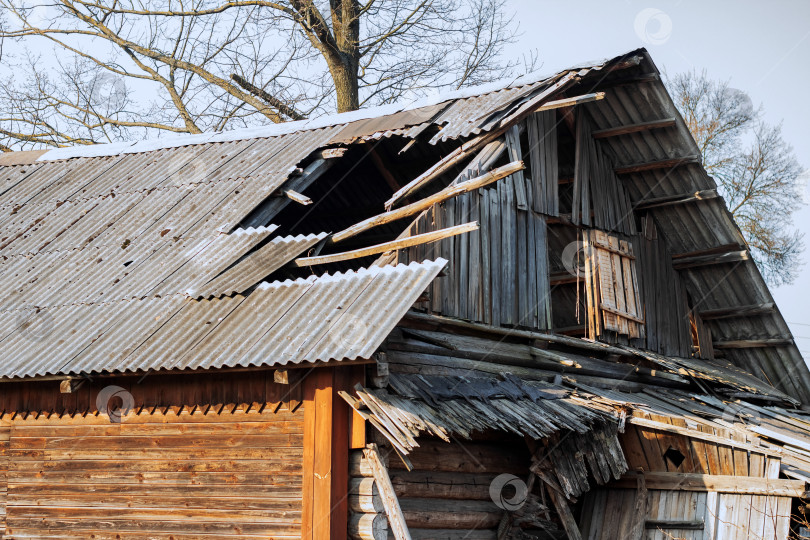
4,432
497,275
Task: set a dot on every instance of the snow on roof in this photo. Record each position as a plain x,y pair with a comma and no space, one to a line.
275,130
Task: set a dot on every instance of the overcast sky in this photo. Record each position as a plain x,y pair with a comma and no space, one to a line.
763,48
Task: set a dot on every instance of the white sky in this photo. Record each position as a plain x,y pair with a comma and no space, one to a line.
763,48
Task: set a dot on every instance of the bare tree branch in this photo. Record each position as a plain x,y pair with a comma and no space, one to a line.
757,171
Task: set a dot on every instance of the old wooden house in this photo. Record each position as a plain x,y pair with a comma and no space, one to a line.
518,311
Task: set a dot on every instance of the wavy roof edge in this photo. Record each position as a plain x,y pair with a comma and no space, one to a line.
320,122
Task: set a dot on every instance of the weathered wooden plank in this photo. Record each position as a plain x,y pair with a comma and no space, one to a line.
387,246
396,519
427,202
677,481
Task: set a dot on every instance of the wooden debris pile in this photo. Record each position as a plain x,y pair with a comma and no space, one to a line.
447,407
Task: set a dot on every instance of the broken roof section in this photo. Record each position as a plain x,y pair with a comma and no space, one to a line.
129,223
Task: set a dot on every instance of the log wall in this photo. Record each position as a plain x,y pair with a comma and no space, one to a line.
203,455
228,474
446,495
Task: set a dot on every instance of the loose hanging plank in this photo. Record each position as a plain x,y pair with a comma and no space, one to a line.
387,246
515,154
542,133
419,206
396,518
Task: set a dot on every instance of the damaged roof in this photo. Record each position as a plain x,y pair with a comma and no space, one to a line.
103,242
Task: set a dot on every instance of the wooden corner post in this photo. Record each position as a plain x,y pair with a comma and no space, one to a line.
325,508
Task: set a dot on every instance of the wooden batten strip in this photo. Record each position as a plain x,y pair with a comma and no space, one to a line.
419,206
681,198
738,311
634,128
297,197
388,246
654,165
708,260
753,343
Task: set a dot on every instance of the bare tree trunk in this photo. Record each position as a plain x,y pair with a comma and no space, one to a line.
346,25
346,86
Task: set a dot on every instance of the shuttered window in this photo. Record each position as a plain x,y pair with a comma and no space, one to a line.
612,286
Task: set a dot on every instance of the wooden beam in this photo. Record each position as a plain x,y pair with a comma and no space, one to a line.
708,260
297,197
396,519
383,170
271,206
681,198
690,525
700,435
633,128
640,509
564,513
325,507
70,385
753,343
357,424
629,62
655,165
564,278
743,485
281,376
448,322
412,209
735,312
716,250
332,153
627,80
368,526
388,246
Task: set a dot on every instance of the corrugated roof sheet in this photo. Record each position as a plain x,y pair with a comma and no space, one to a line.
262,262
123,221
332,317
